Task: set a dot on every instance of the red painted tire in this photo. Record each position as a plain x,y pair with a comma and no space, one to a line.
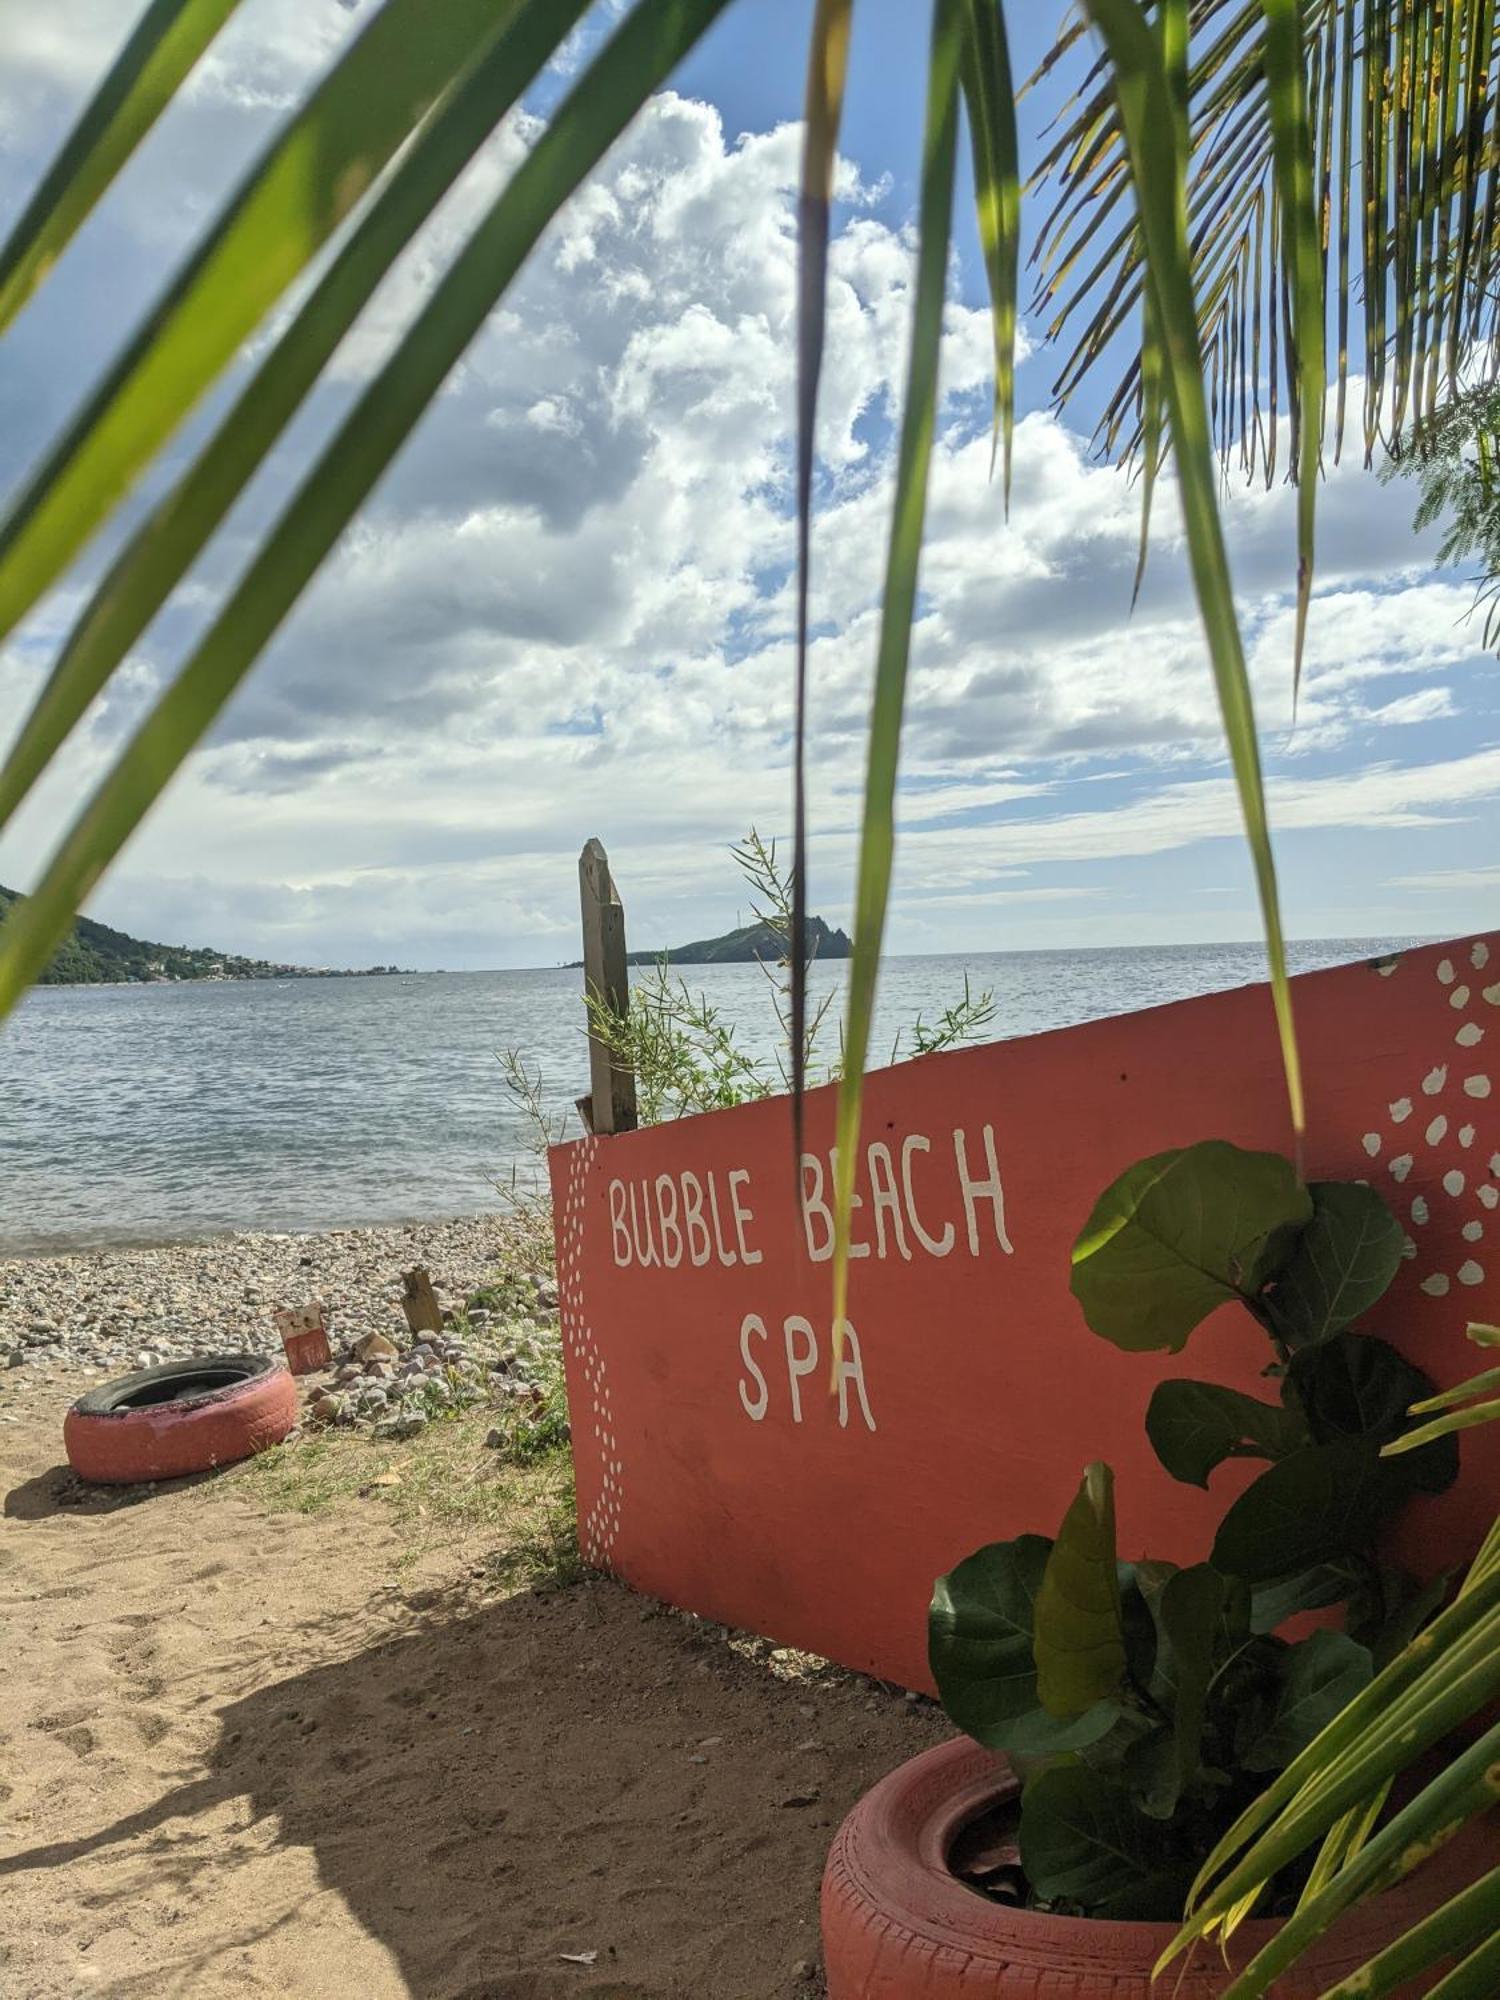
897,1924
184,1416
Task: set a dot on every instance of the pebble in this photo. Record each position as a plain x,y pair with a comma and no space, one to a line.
219,1296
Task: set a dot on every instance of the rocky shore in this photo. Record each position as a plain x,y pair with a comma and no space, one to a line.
109,1311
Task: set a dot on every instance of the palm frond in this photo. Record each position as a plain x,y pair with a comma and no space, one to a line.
1399,126
635,61
162,48
898,608
827,64
160,554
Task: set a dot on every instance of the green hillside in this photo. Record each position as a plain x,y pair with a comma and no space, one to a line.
96,955
751,941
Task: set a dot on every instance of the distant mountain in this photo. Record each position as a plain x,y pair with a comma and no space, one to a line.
95,955
752,941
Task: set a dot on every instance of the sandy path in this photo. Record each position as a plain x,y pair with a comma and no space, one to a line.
246,1753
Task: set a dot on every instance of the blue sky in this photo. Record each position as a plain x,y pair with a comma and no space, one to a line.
566,611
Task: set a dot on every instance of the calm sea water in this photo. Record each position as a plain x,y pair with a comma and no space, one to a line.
156,1113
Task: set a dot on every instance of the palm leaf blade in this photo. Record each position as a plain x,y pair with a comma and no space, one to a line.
164,45
918,422
311,176
164,549
636,60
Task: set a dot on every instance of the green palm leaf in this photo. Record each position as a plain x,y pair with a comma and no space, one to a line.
1399,124
319,166
164,45
1292,148
162,551
1151,123
827,64
990,100
637,59
909,507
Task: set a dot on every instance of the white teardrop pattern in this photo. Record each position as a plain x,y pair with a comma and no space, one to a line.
1447,1092
599,1528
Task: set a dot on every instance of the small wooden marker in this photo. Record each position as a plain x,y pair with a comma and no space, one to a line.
423,1313
304,1335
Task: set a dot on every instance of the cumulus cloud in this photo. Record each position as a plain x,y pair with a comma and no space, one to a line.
568,608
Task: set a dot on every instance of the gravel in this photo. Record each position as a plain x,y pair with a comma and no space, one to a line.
95,1312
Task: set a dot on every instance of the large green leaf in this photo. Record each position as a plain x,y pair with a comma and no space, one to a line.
1320,1675
163,46
1358,1386
1182,1233
898,606
635,61
1085,1845
1272,1604
316,169
1366,137
1196,1615
162,551
1195,1426
1344,1261
1320,1505
979,1637
1079,1636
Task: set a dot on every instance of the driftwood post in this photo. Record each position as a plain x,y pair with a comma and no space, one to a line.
610,1105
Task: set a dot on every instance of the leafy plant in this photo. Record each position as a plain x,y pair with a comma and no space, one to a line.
1147,1704
1455,459
689,1056
1435,1689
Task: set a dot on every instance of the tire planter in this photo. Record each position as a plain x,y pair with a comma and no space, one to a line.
180,1417
896,1923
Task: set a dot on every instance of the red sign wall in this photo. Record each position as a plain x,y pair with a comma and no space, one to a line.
721,1468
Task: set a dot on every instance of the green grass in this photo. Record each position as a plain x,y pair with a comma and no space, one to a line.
445,1486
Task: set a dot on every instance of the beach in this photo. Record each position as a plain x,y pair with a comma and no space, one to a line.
112,1310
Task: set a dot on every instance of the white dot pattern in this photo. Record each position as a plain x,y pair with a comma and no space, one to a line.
599,1527
1452,1081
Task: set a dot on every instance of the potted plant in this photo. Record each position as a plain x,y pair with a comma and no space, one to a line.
1139,1708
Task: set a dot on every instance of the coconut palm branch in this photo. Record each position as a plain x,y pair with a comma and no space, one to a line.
1403,115
371,151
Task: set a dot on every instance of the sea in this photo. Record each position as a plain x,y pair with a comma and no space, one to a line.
157,1114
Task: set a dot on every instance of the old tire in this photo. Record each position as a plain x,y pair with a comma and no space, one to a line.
180,1417
897,1923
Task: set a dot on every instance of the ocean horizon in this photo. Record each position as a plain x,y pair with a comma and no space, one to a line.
156,1113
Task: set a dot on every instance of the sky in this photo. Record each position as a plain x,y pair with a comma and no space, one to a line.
567,609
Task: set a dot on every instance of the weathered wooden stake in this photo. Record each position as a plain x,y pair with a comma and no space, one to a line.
423,1313
610,1105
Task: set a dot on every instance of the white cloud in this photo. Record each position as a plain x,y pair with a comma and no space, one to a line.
568,608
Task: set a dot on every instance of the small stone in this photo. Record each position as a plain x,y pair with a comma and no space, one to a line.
406,1426
376,1347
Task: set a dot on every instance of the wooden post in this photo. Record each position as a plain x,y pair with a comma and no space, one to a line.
611,1100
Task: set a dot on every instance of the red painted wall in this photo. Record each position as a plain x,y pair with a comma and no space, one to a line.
719,1470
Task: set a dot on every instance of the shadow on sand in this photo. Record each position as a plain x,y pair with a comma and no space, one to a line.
548,1773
